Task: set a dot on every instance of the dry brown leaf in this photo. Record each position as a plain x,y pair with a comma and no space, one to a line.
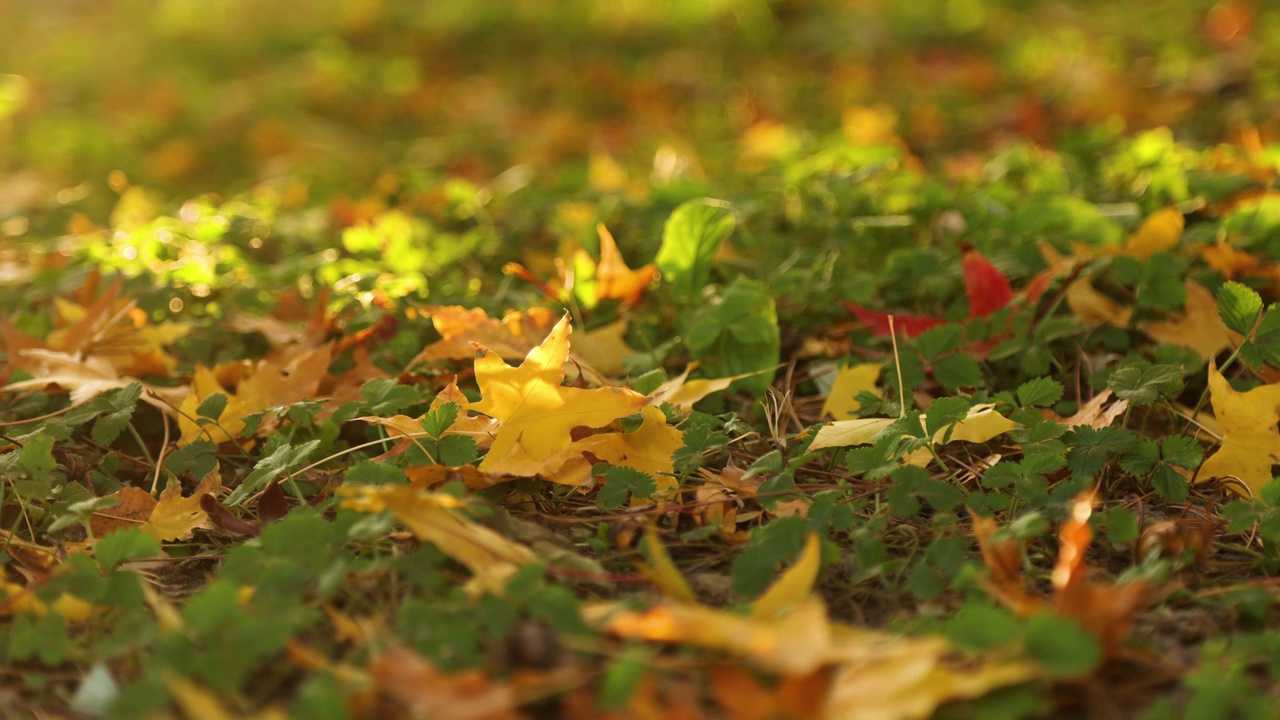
134,510
1097,413
422,690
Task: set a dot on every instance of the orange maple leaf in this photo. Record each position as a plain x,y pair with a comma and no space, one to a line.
1105,610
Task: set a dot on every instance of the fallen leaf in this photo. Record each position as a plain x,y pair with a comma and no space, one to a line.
684,393
536,413
1106,610
200,703
850,381
175,517
433,517
879,676
612,278
1250,442
422,690
18,599
604,348
1093,308
133,510
511,338
1161,231
987,289
648,448
1199,327
982,424
1097,413
794,586
285,379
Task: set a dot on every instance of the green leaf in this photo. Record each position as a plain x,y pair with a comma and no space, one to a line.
621,483
979,626
120,404
938,341
269,468
1264,347
36,458
1122,525
1062,646
690,241
1185,452
123,545
1040,392
1239,306
957,371
385,397
623,677
213,406
1142,383
1092,448
456,450
440,419
944,413
197,459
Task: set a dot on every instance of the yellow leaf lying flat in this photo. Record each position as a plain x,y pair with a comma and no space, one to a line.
537,414
885,677
1160,232
1250,442
794,644
982,424
490,557
648,448
1199,328
849,382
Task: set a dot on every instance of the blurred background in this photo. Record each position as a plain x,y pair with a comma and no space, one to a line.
193,96
373,144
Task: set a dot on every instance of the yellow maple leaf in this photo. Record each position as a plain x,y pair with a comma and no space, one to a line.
1250,442
536,413
175,517
1199,327
850,381
648,449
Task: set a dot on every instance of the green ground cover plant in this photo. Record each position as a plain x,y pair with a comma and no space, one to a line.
727,358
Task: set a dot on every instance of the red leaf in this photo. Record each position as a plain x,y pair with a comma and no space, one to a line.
878,321
988,289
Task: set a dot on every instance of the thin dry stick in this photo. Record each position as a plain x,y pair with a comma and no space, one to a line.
902,392
164,447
